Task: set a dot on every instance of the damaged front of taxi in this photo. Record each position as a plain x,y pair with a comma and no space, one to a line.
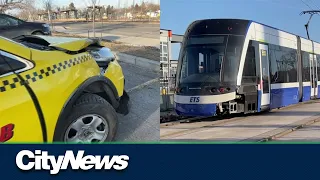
82,88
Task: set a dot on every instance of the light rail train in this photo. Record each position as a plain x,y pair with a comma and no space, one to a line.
229,66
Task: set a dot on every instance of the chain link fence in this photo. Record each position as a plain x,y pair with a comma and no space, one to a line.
167,83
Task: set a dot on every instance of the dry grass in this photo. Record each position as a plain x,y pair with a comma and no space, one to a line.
148,52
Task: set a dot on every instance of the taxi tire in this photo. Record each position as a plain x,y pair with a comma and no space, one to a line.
90,104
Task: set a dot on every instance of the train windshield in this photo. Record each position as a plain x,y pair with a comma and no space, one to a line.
211,59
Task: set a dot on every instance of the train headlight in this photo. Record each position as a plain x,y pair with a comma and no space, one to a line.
221,90
213,90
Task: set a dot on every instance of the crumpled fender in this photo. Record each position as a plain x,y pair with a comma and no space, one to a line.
70,44
75,45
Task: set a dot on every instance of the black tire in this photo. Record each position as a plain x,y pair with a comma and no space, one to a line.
89,104
37,33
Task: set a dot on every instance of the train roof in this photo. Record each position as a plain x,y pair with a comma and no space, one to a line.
249,22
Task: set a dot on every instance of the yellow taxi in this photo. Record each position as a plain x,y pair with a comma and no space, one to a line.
57,90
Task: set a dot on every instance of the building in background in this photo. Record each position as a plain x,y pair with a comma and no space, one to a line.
173,67
168,67
153,14
69,14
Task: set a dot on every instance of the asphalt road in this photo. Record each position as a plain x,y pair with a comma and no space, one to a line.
135,75
142,123
127,32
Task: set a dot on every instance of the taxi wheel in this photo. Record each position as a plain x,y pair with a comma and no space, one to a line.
92,120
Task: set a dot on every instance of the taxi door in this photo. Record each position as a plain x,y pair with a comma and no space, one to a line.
19,120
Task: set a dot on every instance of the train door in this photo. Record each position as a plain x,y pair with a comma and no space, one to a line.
318,73
264,75
313,76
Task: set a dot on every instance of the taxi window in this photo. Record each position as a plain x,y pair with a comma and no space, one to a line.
9,64
4,67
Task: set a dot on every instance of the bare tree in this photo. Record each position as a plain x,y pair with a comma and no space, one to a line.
29,11
93,3
6,5
47,4
71,6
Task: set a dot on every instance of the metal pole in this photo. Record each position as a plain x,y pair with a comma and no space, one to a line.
94,18
312,12
49,18
169,46
102,21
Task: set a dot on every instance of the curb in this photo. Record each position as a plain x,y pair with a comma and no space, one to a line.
138,61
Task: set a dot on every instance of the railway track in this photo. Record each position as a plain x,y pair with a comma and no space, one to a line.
296,126
212,122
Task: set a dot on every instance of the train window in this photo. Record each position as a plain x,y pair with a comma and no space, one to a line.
231,61
211,63
249,69
184,71
306,66
283,66
265,70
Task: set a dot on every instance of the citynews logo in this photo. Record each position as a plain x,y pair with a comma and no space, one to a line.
40,160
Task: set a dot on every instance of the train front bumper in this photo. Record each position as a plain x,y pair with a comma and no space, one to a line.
194,110
204,106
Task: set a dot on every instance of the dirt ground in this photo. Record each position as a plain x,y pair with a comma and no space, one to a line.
148,52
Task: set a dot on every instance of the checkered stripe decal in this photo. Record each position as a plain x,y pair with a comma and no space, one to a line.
43,73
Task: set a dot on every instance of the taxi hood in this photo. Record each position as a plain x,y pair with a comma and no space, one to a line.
102,55
76,45
65,44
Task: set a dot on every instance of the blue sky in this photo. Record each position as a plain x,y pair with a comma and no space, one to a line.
282,14
83,3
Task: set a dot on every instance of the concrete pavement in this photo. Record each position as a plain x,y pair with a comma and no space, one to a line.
247,128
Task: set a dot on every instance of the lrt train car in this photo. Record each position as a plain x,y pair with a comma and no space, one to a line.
231,66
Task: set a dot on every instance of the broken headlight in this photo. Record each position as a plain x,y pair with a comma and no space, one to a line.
103,56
